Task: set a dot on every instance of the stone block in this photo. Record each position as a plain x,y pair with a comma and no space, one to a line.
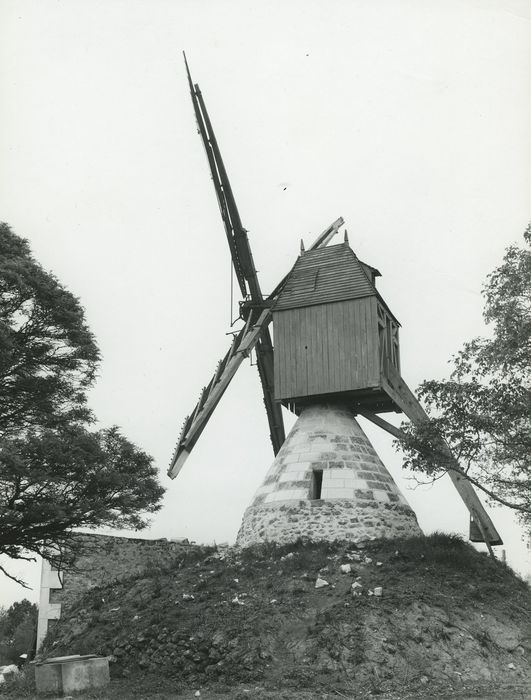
51,579
286,495
339,492
54,611
309,455
364,494
378,485
289,476
365,475
327,455
332,475
295,467
350,482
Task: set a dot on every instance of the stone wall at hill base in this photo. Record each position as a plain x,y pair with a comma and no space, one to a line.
103,559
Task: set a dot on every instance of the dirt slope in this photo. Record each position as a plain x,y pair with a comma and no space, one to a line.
448,618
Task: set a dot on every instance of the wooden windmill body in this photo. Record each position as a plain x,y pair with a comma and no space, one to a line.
336,356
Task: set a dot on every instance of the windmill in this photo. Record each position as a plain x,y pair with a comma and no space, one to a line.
336,356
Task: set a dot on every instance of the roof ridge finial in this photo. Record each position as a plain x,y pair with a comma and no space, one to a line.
302,247
346,237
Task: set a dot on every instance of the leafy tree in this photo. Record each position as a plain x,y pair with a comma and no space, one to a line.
18,628
48,356
56,473
483,410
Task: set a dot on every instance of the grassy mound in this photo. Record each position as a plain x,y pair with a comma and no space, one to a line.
448,617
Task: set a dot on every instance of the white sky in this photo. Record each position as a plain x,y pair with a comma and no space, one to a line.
410,120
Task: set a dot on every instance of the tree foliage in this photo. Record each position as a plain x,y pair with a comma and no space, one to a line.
483,410
48,356
18,629
56,472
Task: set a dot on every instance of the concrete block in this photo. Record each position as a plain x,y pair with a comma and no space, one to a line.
48,678
85,674
72,674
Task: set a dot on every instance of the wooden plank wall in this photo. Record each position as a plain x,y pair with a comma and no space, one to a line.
326,348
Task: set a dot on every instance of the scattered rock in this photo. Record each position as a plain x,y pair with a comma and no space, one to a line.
356,588
321,583
345,568
511,666
188,596
378,591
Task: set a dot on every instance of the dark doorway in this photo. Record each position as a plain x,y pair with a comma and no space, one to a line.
317,483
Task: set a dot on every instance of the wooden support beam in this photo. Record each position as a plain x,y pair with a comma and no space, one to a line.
406,400
380,422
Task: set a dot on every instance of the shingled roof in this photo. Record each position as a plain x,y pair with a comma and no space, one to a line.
325,275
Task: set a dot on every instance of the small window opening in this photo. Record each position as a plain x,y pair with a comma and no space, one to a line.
317,483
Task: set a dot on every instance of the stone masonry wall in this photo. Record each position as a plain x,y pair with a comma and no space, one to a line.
103,558
325,520
106,558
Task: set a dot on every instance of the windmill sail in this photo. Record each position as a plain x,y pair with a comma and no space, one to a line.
242,259
195,423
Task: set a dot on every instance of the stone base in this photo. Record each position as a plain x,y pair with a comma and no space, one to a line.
326,520
327,483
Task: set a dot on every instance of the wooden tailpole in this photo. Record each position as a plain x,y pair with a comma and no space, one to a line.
404,398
